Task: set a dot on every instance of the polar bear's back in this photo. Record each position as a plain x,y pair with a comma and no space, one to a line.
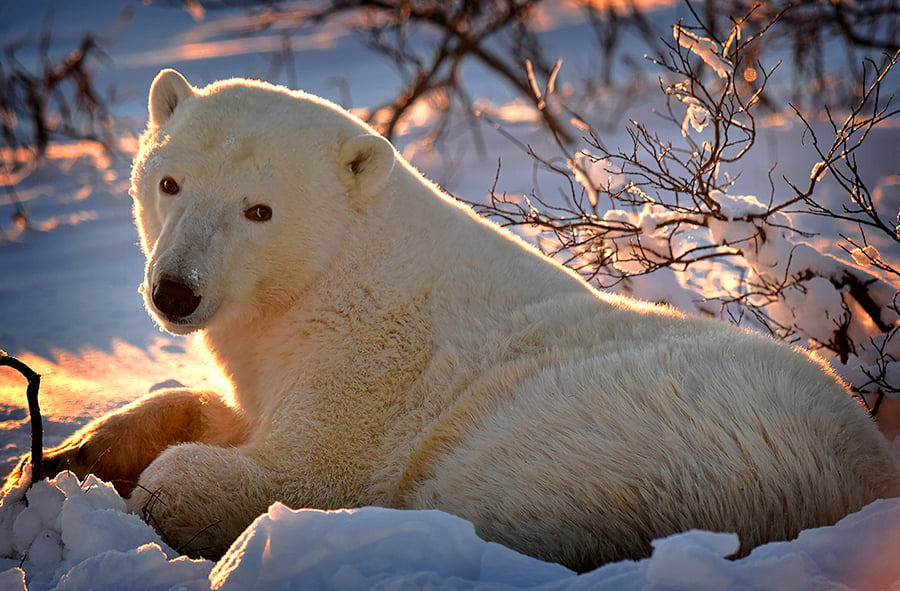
658,426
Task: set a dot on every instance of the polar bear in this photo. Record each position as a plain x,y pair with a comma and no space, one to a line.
388,347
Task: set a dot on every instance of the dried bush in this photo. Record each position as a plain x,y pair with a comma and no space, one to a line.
45,99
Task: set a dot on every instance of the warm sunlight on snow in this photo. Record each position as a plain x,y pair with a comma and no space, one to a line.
555,14
623,5
90,382
219,49
18,163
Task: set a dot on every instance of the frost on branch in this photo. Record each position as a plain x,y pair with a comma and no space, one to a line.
593,174
865,256
798,292
697,115
706,49
818,171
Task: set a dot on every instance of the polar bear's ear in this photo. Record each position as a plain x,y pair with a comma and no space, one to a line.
366,162
168,90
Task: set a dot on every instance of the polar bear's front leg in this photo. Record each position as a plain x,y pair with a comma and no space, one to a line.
118,446
201,497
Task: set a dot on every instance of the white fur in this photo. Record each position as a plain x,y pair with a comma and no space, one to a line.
389,347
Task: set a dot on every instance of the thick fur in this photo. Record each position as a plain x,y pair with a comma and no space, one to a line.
389,347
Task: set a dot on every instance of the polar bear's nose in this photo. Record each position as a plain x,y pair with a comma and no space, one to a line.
175,299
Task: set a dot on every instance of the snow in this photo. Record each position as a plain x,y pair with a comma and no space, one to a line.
865,256
68,534
818,171
697,115
593,173
72,535
707,49
74,314
694,560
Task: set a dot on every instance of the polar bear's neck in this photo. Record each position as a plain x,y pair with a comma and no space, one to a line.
458,247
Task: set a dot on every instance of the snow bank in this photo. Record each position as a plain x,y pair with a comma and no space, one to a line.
69,535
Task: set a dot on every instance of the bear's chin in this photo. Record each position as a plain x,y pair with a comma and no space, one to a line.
177,328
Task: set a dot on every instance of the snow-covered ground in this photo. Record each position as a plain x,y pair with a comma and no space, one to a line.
69,308
78,537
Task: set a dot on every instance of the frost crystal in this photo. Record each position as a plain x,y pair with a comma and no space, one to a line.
818,171
734,36
696,116
865,256
229,140
706,49
593,174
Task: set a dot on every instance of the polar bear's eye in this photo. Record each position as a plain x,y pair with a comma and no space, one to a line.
258,213
169,186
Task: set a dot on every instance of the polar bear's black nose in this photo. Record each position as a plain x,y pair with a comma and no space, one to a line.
174,299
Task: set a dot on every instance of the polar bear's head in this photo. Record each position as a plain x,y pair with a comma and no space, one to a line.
243,192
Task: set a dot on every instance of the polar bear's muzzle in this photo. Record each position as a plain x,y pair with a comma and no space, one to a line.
174,299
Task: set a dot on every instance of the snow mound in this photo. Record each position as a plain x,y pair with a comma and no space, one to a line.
63,534
68,534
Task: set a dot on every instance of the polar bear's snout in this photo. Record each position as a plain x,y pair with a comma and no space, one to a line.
174,299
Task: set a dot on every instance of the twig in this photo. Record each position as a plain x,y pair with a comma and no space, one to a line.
34,411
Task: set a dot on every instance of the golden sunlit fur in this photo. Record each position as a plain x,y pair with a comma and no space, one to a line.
388,347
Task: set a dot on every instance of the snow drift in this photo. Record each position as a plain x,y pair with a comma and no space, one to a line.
63,534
